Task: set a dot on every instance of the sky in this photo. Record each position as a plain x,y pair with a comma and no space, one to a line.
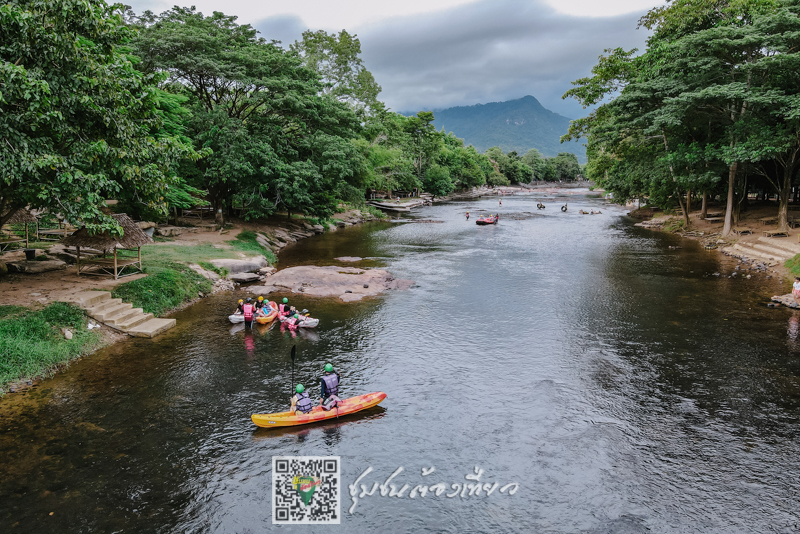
435,54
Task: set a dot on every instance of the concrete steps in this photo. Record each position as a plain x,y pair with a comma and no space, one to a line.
120,315
781,242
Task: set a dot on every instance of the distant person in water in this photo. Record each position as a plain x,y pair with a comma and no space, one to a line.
501,202
467,215
796,289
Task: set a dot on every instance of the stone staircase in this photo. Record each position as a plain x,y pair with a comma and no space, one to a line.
120,315
771,250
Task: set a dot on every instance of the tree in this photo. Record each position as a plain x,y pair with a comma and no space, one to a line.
336,59
277,139
533,159
77,121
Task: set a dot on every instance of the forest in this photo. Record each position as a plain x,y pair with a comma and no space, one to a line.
711,108
180,109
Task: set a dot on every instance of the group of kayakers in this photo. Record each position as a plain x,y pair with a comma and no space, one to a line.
328,396
262,308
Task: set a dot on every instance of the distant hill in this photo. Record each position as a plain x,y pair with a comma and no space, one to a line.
514,125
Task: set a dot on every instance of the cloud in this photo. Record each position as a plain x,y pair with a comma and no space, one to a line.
284,28
490,51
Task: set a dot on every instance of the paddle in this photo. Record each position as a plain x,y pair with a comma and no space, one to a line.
294,351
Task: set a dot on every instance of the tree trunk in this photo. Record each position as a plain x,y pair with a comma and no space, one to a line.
704,209
688,207
726,228
785,194
683,209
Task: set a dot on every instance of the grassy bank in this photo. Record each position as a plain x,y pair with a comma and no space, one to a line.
171,283
793,264
32,345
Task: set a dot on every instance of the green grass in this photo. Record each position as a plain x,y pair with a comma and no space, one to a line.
170,283
31,342
793,264
166,288
246,242
213,268
6,311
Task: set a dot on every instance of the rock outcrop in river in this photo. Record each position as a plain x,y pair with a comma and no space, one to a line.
347,283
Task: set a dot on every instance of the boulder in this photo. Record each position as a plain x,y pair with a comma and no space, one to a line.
144,225
318,229
284,236
210,275
348,258
3,268
169,231
261,240
346,283
244,278
267,270
249,265
33,267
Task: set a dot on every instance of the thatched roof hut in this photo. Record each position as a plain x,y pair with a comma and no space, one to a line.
25,217
22,217
132,238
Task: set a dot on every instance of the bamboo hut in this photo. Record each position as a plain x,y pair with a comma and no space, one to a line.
21,217
132,238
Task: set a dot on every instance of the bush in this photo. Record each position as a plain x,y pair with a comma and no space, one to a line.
31,343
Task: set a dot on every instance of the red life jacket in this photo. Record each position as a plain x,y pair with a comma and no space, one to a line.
248,312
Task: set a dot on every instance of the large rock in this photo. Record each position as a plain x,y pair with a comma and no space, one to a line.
211,275
33,267
3,268
345,283
244,278
249,265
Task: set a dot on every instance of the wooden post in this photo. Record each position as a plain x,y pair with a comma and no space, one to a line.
26,236
78,260
115,264
140,257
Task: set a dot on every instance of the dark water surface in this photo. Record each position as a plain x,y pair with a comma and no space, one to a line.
619,383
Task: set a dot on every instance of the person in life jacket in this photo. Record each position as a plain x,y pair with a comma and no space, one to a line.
259,303
301,402
467,215
239,307
248,309
284,308
293,321
329,388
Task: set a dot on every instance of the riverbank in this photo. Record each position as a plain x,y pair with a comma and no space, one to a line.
178,273
749,243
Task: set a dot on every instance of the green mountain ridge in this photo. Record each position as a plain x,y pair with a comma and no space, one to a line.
518,125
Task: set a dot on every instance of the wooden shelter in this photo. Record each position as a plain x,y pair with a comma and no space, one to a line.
132,238
20,217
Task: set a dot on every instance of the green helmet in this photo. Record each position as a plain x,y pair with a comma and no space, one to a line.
299,388
328,368
285,300
296,316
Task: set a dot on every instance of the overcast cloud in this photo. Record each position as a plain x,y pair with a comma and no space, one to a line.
468,52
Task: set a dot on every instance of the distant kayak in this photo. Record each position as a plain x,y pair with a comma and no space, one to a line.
486,220
346,406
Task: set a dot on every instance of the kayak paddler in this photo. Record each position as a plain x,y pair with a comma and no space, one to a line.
329,388
284,308
247,310
301,402
239,307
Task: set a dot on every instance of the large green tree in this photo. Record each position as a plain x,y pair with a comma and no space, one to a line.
278,141
336,58
77,121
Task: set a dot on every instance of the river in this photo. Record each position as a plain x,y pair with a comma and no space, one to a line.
612,378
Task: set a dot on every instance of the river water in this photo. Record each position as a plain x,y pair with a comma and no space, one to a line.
610,382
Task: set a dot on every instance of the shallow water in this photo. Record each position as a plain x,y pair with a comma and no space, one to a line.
621,384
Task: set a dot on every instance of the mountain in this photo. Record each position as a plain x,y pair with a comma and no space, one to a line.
514,125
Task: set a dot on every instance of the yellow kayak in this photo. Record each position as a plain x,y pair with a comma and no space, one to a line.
346,406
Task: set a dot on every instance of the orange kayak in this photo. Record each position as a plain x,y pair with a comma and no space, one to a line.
346,406
266,319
